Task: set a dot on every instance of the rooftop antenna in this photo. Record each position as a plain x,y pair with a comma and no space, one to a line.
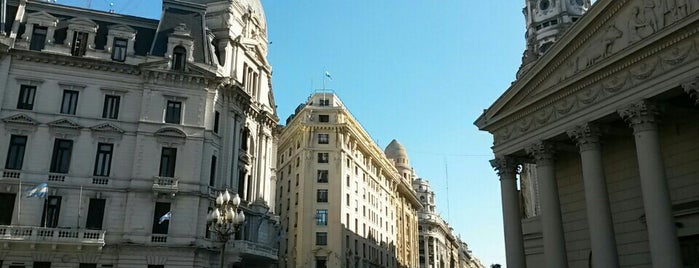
89,3
111,7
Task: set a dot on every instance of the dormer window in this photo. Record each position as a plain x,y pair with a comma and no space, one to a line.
81,36
179,57
38,40
119,49
79,46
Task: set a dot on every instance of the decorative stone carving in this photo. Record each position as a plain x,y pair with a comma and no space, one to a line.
599,49
692,88
640,115
586,136
171,136
506,167
543,152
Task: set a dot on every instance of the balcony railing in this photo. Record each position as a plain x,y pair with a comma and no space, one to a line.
12,174
168,185
253,248
57,177
30,234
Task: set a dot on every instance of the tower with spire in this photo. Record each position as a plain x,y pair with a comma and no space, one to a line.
546,21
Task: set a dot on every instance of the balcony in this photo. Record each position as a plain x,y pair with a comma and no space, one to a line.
165,185
52,236
250,248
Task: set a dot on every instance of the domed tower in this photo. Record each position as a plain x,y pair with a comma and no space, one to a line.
546,21
396,153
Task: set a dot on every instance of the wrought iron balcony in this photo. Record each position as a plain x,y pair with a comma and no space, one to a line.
167,185
51,236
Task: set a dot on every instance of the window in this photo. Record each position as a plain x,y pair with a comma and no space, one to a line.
322,157
70,102
323,175
217,116
161,208
321,262
52,208
324,102
60,160
79,46
212,173
348,200
15,155
111,107
324,118
41,264
321,238
156,266
322,217
322,196
88,265
26,97
173,112
103,161
38,40
95,214
168,157
323,138
119,49
179,56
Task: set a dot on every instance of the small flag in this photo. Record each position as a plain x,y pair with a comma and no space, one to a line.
327,74
165,217
40,190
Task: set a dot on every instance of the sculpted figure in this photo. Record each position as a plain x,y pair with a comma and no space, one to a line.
639,26
600,49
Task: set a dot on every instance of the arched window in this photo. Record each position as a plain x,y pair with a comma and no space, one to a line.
179,57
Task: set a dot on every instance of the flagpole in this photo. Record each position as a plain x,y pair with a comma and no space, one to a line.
80,205
19,202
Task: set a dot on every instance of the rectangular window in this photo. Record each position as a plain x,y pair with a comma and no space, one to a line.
41,264
26,97
322,196
160,227
324,118
173,112
321,262
348,200
323,175
324,102
168,158
70,102
322,217
321,238
38,40
95,214
52,208
212,173
323,138
103,161
7,207
15,155
88,265
217,116
79,46
60,159
323,157
119,49
111,107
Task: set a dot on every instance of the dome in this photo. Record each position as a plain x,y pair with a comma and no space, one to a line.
395,150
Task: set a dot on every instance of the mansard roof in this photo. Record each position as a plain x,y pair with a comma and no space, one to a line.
174,14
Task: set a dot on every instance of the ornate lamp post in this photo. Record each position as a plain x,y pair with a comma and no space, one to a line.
225,219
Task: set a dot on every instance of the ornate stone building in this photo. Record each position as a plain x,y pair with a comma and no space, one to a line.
135,124
342,202
607,118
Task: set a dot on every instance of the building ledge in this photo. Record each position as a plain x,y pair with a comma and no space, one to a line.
51,236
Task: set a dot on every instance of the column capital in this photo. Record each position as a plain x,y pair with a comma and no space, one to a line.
542,151
641,115
586,136
505,166
692,88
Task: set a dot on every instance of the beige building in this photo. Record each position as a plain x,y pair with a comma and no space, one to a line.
605,124
342,202
128,120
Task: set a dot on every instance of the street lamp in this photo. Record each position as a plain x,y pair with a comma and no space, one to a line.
225,219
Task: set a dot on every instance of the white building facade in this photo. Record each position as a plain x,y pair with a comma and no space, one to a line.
128,119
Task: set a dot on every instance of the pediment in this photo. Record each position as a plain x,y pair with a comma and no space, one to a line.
254,47
608,36
107,127
21,119
64,123
171,132
82,22
192,68
122,28
41,16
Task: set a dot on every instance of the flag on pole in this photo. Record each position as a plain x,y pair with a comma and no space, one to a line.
327,74
41,190
165,217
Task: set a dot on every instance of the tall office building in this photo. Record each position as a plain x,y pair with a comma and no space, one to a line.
134,124
342,202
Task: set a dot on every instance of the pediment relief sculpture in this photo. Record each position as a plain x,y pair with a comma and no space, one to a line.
107,127
64,123
21,119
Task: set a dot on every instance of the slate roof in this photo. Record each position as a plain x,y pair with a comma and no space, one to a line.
175,13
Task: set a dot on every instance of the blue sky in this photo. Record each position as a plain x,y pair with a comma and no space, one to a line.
417,71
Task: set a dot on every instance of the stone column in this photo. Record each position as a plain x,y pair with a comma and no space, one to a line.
512,223
599,213
642,116
551,223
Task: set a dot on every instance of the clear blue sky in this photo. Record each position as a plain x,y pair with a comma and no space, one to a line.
417,71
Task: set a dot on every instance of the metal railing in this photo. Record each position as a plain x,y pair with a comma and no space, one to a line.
51,235
254,248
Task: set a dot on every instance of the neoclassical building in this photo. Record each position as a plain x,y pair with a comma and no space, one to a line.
135,124
605,125
342,202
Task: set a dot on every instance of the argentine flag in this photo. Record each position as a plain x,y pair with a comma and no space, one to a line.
165,217
327,74
41,190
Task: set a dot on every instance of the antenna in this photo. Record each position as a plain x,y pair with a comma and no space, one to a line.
111,7
446,172
89,3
